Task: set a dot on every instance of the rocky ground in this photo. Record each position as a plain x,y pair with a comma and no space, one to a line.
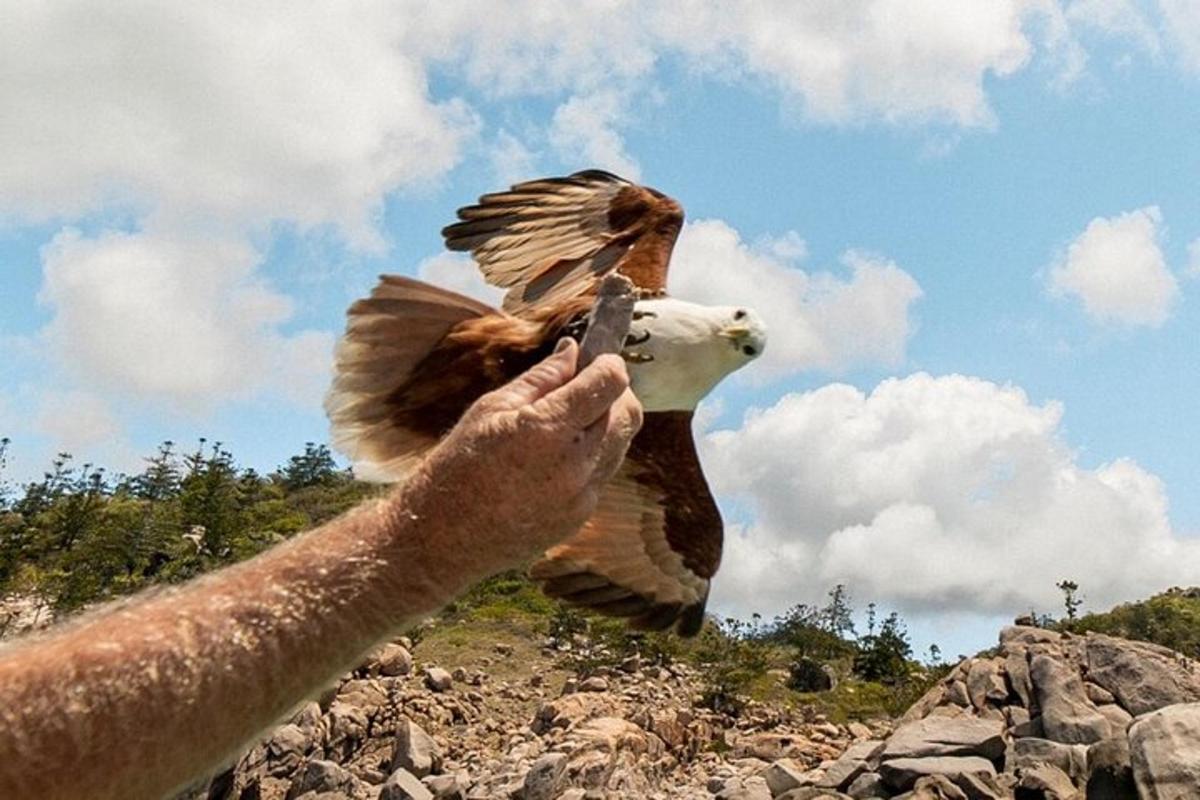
1047,716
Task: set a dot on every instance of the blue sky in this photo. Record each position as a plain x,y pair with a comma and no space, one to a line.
975,236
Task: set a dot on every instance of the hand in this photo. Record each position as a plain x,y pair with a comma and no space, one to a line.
523,468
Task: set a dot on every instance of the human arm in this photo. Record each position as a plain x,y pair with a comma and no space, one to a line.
138,699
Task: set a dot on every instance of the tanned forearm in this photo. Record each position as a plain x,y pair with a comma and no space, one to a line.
282,626
139,699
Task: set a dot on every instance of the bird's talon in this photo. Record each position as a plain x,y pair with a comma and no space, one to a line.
633,339
637,358
639,315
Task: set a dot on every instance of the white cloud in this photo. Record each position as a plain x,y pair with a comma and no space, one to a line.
1193,267
583,132
1117,269
74,420
933,494
512,161
230,111
1119,18
460,274
181,319
896,60
814,320
1182,21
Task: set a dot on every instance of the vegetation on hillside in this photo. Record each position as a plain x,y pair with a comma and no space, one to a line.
81,535
1171,619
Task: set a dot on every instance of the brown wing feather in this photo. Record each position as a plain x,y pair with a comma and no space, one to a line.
653,543
554,238
413,358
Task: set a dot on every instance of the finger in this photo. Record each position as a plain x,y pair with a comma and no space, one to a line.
621,424
580,402
542,378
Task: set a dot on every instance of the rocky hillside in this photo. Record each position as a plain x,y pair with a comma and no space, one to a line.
1048,715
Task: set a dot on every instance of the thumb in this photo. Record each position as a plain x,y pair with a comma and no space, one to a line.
544,377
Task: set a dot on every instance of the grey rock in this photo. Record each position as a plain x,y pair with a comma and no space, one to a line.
1049,782
1030,752
1025,635
1164,750
287,747
319,775
980,786
544,777
959,736
754,788
783,775
415,750
594,684
438,679
1143,677
857,759
867,786
1067,715
1110,773
393,660
985,682
403,785
447,787
812,793
936,787
956,692
1118,718
902,773
1016,667
1098,694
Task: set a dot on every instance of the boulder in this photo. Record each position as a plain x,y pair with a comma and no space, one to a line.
403,785
1067,714
1015,635
783,775
1016,667
1164,750
544,778
392,660
1109,772
1048,783
867,786
936,787
903,773
415,750
985,682
319,776
1030,752
438,679
1143,677
958,736
858,758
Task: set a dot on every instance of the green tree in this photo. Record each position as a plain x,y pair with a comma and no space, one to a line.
884,656
1071,601
314,467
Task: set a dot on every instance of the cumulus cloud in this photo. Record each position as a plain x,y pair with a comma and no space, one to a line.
1182,20
229,111
459,273
1116,268
584,132
815,320
933,494
179,319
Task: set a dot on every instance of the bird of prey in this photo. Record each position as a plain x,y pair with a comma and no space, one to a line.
415,356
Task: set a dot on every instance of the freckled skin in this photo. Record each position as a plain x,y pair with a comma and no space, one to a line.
145,696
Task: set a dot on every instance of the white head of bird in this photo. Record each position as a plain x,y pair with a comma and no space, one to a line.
677,352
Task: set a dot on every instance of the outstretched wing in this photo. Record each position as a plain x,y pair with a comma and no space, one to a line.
554,238
654,541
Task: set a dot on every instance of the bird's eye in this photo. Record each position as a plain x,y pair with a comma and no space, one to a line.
748,350
739,314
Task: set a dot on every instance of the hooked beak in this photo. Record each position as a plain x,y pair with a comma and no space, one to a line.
734,332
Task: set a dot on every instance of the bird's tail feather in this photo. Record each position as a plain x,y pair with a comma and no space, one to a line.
387,336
